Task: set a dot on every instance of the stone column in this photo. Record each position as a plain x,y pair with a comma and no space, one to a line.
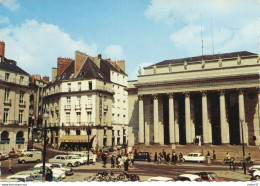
141,120
223,119
187,118
147,133
176,122
155,118
171,118
205,125
241,105
192,116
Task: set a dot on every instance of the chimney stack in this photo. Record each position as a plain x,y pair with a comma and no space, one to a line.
46,79
80,58
54,73
2,51
121,64
99,56
62,64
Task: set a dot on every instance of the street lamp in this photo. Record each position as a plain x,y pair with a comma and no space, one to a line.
45,117
244,163
88,133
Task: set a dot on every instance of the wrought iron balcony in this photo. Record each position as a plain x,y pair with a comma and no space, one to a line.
78,107
67,107
8,102
77,124
88,106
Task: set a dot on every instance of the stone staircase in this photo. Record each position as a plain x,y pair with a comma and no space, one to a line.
220,151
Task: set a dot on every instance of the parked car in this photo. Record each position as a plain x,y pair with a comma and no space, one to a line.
188,177
14,154
92,156
256,175
159,178
49,166
2,157
142,156
40,170
80,155
194,157
4,154
30,157
60,166
78,159
21,178
32,173
64,159
209,176
253,168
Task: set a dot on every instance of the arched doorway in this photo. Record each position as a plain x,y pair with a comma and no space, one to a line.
4,135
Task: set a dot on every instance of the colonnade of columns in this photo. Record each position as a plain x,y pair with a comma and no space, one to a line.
189,125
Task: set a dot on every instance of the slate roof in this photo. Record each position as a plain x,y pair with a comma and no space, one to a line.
88,70
10,65
204,57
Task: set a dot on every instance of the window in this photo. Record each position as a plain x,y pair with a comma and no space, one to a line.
5,118
123,131
90,85
7,76
69,87
68,100
113,132
105,132
89,115
21,97
78,100
118,132
77,132
79,86
78,117
68,117
21,79
7,91
20,118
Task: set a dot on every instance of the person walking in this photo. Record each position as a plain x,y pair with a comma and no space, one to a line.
164,154
168,159
112,161
175,159
104,159
10,168
159,158
181,158
208,159
214,155
126,160
155,157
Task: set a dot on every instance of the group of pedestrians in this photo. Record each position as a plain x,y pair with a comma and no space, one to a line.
120,161
167,157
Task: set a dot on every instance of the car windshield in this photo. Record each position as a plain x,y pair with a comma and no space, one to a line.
213,176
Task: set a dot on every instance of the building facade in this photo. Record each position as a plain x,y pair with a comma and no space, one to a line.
81,96
215,97
14,104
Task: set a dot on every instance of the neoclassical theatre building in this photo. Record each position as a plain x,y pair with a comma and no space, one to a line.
213,96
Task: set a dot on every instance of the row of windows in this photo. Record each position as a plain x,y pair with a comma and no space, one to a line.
7,78
6,115
7,95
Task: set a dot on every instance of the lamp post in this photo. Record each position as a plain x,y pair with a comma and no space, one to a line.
244,163
88,133
45,117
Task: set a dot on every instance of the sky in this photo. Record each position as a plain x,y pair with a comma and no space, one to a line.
142,32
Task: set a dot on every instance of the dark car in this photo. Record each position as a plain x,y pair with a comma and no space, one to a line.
209,176
142,156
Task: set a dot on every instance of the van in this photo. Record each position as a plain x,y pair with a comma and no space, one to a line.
30,157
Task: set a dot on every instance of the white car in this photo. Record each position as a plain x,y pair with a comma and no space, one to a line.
78,158
56,175
28,173
82,155
55,171
64,159
188,177
60,166
21,178
160,178
4,154
256,175
92,157
194,157
253,168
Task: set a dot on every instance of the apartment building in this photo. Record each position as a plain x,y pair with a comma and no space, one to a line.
86,94
14,104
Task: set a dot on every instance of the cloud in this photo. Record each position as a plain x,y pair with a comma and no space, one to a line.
134,73
115,52
11,4
4,20
36,46
235,24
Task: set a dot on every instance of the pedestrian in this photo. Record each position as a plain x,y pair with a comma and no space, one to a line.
131,160
126,160
155,157
227,159
208,159
214,155
112,161
104,159
208,154
49,175
10,168
248,159
164,154
175,159
168,158
196,141
121,162
159,158
180,158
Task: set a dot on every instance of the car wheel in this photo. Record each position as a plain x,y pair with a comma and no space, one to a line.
69,165
257,178
23,162
38,161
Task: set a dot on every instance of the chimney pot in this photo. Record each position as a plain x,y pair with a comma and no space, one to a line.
2,50
99,56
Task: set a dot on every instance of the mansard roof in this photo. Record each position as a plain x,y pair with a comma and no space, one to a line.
180,61
11,65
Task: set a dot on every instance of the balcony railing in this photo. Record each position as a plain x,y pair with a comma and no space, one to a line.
78,107
14,80
67,107
22,104
105,107
75,124
88,106
8,102
13,122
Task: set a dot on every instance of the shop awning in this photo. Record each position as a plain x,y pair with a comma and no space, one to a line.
76,139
